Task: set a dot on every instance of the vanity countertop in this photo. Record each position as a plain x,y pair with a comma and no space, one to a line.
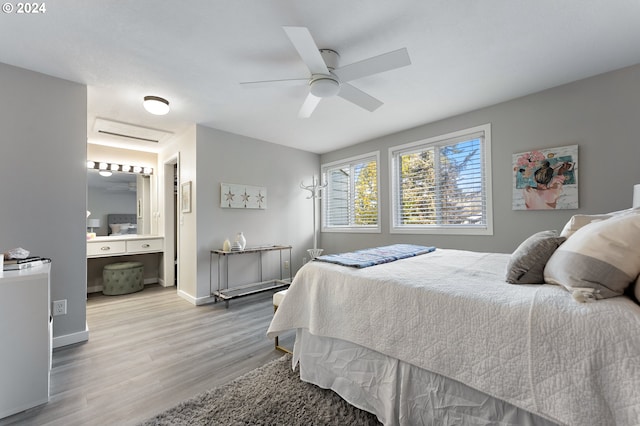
124,237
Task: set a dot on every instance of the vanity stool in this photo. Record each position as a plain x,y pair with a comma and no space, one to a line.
122,278
277,299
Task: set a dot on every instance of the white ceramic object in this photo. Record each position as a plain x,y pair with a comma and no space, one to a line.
241,240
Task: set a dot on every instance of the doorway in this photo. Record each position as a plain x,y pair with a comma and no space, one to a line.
171,228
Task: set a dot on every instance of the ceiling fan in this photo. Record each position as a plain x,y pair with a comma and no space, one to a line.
328,79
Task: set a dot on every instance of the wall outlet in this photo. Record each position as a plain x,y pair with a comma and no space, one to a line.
59,307
286,264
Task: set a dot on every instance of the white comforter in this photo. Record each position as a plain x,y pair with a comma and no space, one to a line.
451,312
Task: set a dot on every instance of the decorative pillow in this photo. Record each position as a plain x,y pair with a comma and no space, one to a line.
603,256
579,220
527,262
633,291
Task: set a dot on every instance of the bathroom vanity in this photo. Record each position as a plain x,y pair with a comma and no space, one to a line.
102,251
124,245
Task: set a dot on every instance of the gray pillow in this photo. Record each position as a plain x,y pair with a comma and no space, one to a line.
527,262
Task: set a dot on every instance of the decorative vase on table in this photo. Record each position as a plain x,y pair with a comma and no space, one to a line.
241,240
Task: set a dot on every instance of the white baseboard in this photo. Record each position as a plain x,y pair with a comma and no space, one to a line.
70,339
196,301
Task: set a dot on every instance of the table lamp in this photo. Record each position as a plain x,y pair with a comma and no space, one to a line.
92,223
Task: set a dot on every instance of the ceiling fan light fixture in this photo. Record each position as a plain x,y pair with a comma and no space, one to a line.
324,87
156,105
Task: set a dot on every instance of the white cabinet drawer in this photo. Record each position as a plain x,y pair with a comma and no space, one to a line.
141,246
105,248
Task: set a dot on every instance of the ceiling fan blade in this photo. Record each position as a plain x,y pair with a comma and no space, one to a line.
275,83
307,49
377,64
358,97
309,106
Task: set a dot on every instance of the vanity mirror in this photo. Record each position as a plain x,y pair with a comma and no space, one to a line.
119,201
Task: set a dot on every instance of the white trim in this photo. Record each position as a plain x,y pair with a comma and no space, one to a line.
484,129
70,339
351,159
353,229
197,301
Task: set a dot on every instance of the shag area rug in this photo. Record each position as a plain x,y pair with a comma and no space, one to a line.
269,395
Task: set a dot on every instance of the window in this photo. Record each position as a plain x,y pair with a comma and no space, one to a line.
442,185
350,200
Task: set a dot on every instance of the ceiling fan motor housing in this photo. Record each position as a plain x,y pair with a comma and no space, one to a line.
324,86
330,58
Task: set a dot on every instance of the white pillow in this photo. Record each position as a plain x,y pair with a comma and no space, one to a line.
579,220
603,255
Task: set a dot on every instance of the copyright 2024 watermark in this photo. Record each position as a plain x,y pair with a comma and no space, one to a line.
24,8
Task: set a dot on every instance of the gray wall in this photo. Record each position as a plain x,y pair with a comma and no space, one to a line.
287,220
600,114
43,124
209,157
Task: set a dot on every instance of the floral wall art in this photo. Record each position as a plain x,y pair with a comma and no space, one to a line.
236,196
546,179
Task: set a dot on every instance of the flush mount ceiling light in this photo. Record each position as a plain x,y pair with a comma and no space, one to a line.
324,87
156,105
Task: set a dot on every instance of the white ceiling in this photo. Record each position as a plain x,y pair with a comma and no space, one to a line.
465,54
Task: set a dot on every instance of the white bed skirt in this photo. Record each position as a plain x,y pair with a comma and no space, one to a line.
398,393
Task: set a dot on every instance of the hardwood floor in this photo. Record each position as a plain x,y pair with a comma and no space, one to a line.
149,351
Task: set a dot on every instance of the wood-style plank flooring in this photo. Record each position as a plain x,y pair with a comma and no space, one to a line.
147,352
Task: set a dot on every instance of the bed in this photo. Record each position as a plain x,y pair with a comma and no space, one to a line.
121,224
443,338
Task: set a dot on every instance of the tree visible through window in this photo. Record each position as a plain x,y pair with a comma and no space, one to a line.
350,201
366,195
441,184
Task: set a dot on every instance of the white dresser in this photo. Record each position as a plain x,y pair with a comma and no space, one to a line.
26,339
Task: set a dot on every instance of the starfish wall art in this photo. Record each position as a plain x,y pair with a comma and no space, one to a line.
236,196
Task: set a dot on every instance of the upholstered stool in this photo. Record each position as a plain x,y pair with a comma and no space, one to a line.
122,278
277,299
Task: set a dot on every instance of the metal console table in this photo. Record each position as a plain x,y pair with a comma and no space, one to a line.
228,293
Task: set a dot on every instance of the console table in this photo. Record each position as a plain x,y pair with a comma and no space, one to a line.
227,293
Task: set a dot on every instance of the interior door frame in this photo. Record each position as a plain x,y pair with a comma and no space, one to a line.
171,234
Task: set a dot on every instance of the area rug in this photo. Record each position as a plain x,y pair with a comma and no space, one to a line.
270,395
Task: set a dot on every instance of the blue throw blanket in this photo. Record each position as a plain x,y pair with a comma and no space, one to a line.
375,256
